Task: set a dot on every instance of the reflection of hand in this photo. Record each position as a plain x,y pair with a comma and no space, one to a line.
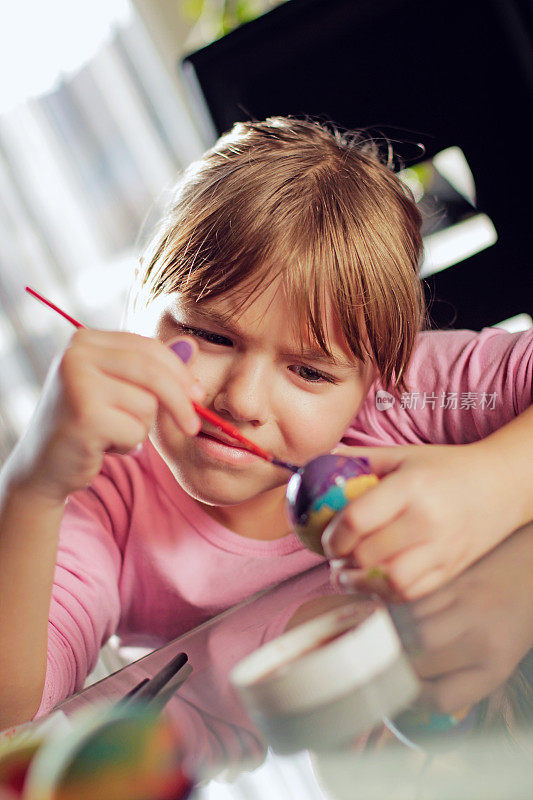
435,511
321,605
466,639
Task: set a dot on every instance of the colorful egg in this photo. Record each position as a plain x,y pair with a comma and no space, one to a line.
320,489
130,752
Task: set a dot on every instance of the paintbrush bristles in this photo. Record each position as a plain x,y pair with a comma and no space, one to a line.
285,464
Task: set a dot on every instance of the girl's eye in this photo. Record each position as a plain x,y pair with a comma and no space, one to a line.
207,336
312,375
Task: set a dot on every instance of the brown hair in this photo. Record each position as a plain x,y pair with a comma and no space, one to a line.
299,198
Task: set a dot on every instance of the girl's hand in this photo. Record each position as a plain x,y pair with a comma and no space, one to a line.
436,509
466,639
101,396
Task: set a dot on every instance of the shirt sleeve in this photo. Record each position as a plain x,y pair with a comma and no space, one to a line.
462,386
85,603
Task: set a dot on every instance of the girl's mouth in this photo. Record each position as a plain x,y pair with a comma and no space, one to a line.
225,452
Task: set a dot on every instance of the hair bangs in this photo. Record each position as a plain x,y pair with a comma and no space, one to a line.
321,276
319,208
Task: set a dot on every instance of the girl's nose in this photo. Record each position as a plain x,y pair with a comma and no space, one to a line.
244,392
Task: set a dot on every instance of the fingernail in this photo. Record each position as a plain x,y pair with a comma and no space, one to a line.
183,349
344,579
329,552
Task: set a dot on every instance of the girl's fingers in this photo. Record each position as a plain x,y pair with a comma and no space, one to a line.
401,575
121,354
157,370
416,571
442,631
435,603
443,660
130,399
361,580
456,691
127,431
382,459
374,509
429,582
385,544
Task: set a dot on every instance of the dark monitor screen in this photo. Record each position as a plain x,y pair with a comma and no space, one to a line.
446,74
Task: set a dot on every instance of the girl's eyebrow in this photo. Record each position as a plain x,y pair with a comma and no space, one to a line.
313,354
308,352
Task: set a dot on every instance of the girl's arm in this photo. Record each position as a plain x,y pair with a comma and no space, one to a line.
29,525
103,395
439,507
510,451
436,510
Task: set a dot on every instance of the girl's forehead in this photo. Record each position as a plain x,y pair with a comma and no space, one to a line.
269,296
262,305
272,310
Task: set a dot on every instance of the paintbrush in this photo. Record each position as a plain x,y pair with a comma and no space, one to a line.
149,689
204,413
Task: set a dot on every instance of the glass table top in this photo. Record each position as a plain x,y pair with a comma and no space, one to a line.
465,732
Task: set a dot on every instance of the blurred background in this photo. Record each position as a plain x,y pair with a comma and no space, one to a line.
103,103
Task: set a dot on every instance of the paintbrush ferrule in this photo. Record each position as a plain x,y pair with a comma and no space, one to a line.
285,464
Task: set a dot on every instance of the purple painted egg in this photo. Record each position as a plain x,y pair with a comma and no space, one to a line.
320,489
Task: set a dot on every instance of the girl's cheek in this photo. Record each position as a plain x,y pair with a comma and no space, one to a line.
317,427
308,431
165,433
210,371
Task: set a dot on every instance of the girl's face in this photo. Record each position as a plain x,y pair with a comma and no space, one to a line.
295,404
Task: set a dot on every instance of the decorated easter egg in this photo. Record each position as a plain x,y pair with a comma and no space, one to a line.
320,489
130,752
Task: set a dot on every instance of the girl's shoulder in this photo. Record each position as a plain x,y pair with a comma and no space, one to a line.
460,386
459,337
492,360
472,348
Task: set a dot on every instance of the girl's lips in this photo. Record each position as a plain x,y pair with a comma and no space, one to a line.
220,451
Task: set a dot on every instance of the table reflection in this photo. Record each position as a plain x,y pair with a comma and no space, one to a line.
470,642
468,734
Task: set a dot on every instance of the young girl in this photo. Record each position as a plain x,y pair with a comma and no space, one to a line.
281,291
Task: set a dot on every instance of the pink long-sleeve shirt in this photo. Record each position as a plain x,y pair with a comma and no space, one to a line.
140,558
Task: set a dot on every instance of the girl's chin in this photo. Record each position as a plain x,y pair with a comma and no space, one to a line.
216,477
217,487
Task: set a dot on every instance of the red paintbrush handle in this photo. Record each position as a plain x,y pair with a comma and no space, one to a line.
210,416
203,412
54,307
